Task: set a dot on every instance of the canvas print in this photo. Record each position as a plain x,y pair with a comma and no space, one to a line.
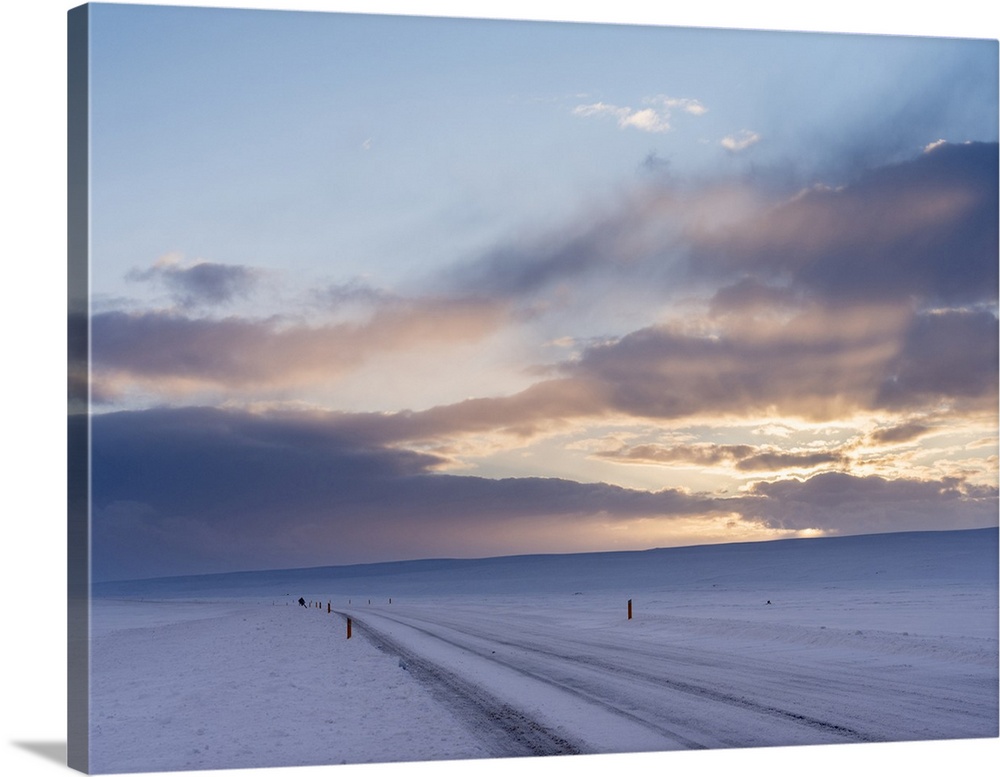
451,389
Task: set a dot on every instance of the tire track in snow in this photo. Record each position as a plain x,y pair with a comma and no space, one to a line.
506,731
440,677
701,692
705,692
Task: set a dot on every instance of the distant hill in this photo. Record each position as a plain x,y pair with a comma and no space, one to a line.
939,557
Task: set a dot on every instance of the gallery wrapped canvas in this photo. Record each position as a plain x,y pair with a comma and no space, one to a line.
448,389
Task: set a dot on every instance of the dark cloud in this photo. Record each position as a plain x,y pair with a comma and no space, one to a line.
899,434
203,283
848,504
745,458
200,489
193,489
705,454
814,366
188,457
924,229
946,355
771,460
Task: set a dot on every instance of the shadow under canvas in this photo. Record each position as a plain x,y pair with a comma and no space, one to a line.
52,751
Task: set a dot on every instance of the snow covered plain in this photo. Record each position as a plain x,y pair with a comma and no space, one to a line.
866,639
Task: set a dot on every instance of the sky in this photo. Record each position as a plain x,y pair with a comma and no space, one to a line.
370,288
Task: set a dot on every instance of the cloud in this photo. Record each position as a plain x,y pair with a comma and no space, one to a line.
743,458
176,354
820,365
750,297
868,297
901,433
202,489
847,504
191,490
608,245
542,407
353,292
922,233
601,109
817,365
656,118
950,355
201,283
513,271
872,300
694,107
654,164
646,119
741,141
925,229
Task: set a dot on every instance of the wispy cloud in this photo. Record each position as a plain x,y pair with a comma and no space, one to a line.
744,458
656,117
199,283
741,141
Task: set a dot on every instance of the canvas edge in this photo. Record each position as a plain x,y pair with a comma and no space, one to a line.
78,422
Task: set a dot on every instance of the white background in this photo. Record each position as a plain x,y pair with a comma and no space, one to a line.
33,358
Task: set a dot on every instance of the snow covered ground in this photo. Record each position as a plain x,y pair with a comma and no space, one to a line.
866,639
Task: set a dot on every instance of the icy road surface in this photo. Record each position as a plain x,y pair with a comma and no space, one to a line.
562,677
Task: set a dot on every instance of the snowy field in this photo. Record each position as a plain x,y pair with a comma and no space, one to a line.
867,639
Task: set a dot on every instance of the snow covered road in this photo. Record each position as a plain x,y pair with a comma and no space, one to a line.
609,685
